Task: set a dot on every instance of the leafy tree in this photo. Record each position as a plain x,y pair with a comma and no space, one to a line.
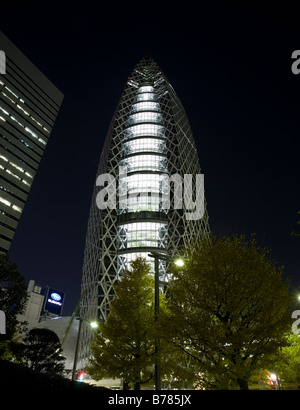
287,361
41,351
13,296
228,309
125,347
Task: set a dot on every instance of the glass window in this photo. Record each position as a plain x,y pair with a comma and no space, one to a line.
146,89
5,201
144,163
145,97
145,116
142,234
140,130
144,144
135,184
16,208
141,202
144,106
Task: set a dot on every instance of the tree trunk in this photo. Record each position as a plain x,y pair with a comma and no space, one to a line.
137,386
126,385
243,384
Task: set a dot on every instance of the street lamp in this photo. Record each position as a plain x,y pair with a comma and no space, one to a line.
94,325
179,262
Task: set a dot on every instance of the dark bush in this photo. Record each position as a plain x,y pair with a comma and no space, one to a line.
18,378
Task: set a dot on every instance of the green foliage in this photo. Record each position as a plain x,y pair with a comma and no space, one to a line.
287,361
13,293
222,322
228,309
13,296
125,345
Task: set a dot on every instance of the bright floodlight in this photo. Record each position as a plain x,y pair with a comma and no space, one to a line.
179,262
94,324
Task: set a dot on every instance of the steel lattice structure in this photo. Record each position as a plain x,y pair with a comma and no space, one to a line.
149,138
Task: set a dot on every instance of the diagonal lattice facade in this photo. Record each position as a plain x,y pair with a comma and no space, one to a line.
148,141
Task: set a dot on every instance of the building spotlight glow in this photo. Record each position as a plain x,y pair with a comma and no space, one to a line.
94,324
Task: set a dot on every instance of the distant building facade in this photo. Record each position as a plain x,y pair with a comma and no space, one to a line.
29,105
34,305
43,303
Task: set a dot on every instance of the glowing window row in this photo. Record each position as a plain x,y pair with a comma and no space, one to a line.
142,234
145,97
7,203
145,116
145,105
15,166
138,183
21,125
151,130
140,203
146,89
144,163
144,144
12,173
20,107
15,176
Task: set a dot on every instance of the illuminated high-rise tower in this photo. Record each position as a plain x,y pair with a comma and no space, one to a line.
149,144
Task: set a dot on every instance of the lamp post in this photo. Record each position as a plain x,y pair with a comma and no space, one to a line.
179,262
156,304
93,325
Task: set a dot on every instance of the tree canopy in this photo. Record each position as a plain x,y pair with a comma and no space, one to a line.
224,317
13,294
228,309
40,351
287,362
130,343
125,345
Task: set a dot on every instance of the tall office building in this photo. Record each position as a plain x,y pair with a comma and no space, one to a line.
148,151
29,104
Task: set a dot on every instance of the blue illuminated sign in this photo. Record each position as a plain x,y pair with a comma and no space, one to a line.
54,300
55,296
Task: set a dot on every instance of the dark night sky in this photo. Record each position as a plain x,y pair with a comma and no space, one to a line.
231,67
